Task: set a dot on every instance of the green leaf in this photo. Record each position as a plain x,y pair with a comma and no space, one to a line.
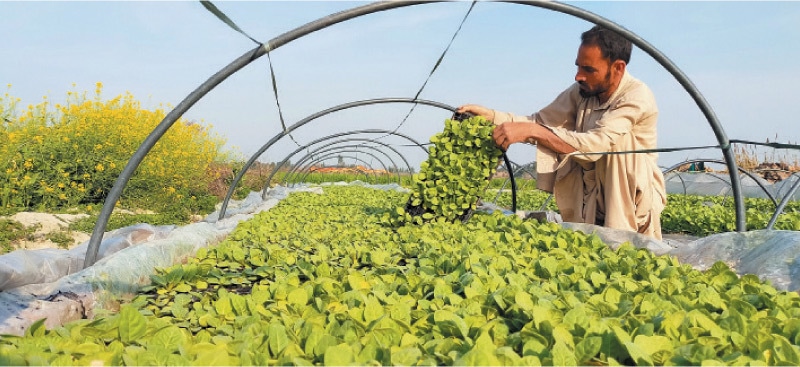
587,349
169,338
783,351
638,355
208,354
37,329
277,338
407,356
373,309
339,355
563,356
450,324
325,342
223,306
653,344
482,354
524,301
298,298
132,324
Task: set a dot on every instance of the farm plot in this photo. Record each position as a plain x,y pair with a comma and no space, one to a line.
327,279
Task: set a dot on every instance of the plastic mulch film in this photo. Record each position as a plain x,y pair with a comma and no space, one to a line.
771,255
718,184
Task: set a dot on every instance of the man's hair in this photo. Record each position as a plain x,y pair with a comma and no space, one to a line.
613,46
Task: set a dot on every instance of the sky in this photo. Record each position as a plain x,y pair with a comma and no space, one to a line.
741,56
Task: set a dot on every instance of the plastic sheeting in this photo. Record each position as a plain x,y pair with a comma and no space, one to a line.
771,255
23,267
718,184
51,283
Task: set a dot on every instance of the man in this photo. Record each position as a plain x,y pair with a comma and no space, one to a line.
606,110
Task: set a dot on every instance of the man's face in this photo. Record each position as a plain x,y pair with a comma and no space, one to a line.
594,72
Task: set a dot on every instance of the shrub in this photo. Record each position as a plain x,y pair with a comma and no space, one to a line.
64,156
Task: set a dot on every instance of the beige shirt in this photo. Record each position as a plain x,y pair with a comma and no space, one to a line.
623,191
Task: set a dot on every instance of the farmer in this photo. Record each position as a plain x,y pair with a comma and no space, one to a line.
605,110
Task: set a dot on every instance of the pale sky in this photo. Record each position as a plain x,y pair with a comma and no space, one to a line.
742,56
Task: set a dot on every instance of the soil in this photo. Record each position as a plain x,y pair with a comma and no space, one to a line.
48,223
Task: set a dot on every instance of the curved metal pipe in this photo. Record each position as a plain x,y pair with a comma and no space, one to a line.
388,146
508,179
332,155
240,62
784,201
683,80
311,160
354,158
315,116
277,167
683,182
303,164
742,170
299,165
249,56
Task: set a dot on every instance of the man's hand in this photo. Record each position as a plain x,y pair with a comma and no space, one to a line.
514,132
477,110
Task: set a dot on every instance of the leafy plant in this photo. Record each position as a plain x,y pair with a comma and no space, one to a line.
12,231
62,238
54,157
320,280
459,165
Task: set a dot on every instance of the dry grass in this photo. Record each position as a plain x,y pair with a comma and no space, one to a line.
253,180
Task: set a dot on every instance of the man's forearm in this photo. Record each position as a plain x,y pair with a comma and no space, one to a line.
546,138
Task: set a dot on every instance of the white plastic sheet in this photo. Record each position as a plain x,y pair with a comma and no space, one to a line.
718,184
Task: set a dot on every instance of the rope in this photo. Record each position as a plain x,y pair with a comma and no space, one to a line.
666,150
277,100
773,145
435,66
224,18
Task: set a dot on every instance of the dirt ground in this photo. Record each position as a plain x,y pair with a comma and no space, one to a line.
48,223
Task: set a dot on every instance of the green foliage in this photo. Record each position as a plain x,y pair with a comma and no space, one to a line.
61,238
67,156
450,182
120,220
705,215
12,231
319,279
530,199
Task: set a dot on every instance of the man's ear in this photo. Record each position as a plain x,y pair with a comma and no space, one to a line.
619,66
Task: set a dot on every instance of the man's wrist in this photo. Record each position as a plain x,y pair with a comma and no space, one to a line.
532,137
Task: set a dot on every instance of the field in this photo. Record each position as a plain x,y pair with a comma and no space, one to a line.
350,277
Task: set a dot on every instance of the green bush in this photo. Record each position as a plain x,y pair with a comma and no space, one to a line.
57,157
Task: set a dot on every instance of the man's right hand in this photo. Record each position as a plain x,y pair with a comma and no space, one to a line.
477,110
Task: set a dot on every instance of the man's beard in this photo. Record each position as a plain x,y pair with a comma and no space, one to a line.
600,89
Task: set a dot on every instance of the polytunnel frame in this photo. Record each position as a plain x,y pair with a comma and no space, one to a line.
331,155
324,22
312,117
309,161
511,177
302,166
290,155
353,157
365,140
740,169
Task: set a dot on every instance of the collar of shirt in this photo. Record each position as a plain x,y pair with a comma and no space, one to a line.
623,83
